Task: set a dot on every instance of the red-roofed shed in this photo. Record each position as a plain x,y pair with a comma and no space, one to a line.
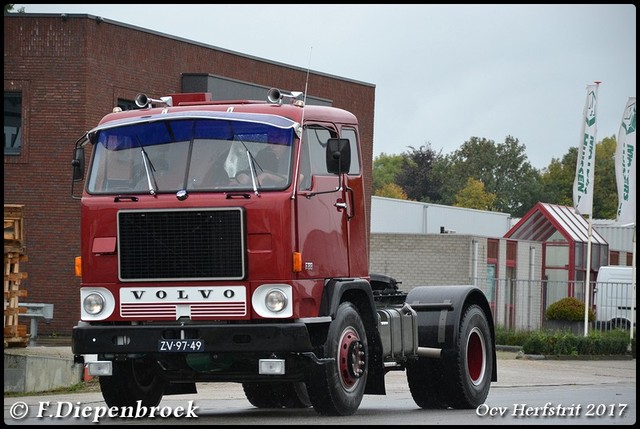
565,237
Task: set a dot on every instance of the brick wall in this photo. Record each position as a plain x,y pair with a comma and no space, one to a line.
422,259
450,259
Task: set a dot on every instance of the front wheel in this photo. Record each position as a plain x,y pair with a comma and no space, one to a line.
133,381
337,388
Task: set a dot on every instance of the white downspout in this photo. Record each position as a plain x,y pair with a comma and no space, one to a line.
474,258
532,267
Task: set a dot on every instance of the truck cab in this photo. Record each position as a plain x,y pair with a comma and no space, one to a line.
227,241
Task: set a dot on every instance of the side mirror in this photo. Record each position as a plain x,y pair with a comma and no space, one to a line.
338,156
78,164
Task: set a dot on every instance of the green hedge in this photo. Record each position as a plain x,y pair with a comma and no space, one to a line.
570,309
556,343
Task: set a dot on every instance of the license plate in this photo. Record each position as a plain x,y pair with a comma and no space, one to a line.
183,346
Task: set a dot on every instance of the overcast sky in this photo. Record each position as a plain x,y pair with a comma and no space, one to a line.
443,73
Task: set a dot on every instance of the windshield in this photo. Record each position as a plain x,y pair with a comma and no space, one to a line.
196,154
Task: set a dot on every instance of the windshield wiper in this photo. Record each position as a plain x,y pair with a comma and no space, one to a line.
148,168
254,178
252,162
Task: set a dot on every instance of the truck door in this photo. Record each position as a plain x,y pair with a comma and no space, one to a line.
355,211
321,218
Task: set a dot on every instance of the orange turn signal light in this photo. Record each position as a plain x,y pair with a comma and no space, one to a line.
297,262
78,266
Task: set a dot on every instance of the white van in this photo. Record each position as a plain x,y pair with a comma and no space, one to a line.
614,297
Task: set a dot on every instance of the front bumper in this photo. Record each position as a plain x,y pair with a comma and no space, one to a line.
125,339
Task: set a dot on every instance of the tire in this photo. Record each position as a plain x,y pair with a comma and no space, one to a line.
464,381
337,388
622,324
132,381
426,383
469,376
277,395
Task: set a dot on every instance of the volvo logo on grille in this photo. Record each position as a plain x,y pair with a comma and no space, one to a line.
183,294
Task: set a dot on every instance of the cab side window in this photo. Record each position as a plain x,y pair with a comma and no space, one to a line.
350,133
317,138
313,156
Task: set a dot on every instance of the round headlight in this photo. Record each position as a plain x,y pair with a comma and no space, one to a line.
276,300
93,303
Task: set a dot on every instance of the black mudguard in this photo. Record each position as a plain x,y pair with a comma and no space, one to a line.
440,309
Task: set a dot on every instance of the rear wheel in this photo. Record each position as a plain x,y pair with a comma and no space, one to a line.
337,388
465,379
133,380
470,375
426,383
277,395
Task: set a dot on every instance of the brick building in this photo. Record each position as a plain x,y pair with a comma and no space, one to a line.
63,73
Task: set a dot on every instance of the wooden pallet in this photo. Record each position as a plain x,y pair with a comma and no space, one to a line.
15,334
13,224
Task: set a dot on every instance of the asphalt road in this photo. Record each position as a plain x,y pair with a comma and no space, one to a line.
528,391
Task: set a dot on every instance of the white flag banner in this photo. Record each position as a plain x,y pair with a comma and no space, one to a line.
583,182
626,164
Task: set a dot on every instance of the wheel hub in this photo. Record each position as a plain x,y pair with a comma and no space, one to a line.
476,351
352,358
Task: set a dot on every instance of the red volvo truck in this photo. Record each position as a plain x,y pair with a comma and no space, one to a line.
227,241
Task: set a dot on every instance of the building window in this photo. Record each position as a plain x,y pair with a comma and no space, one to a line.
12,123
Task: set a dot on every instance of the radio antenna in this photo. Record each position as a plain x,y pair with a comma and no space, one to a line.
304,104
306,84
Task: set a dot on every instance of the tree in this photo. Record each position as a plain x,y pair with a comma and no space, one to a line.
9,8
474,196
518,186
391,190
605,190
385,170
557,180
475,158
416,174
502,168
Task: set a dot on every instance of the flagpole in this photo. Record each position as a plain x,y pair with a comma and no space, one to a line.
587,287
633,289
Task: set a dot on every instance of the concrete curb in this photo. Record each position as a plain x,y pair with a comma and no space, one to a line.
521,355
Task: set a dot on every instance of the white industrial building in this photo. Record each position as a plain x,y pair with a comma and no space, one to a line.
509,259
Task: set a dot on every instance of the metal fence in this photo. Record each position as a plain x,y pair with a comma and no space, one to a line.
521,304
